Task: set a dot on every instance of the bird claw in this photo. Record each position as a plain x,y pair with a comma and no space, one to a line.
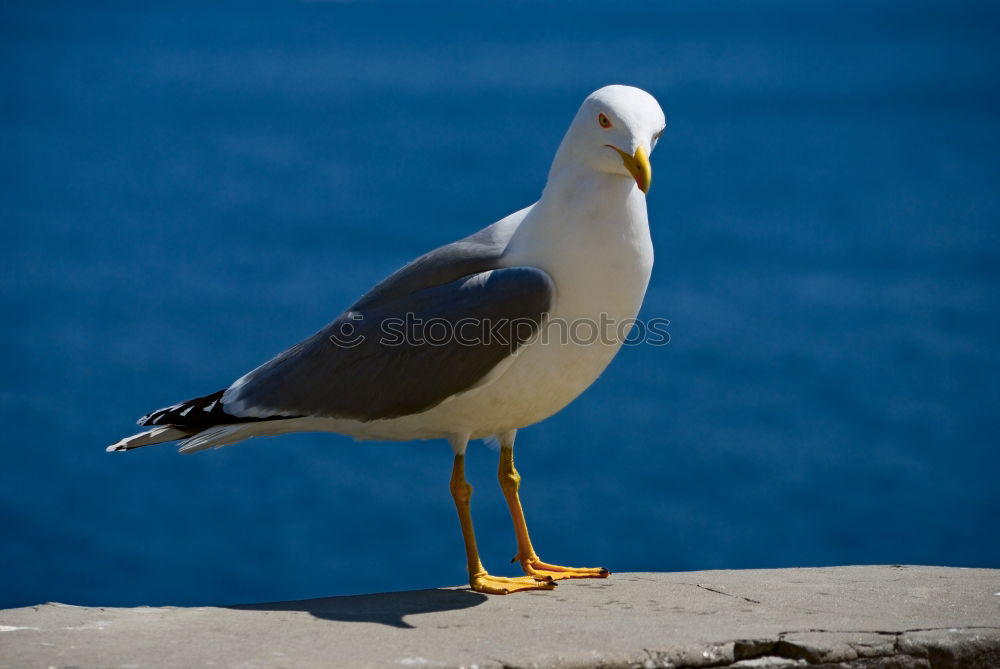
538,569
501,585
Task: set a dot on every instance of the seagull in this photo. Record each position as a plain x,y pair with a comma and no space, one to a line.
475,339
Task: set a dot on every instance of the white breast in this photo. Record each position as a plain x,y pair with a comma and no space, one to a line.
594,242
599,255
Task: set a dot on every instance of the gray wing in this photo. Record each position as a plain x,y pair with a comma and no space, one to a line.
476,253
432,329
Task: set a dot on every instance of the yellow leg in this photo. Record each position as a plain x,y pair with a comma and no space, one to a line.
480,581
510,481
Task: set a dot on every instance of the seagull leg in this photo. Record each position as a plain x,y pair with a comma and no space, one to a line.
510,481
481,581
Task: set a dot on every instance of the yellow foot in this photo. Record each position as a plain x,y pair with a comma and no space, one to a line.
537,569
499,585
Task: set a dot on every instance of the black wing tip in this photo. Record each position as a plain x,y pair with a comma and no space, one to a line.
200,411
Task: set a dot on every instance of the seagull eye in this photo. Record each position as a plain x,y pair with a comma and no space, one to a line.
603,120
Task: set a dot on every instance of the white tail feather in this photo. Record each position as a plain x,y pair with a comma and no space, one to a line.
157,435
214,437
223,435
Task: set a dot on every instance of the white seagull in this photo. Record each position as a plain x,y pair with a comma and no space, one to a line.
472,340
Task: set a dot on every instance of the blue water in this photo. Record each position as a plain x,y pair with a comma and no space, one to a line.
187,190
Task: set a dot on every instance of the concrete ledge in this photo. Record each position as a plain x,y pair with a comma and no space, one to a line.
899,617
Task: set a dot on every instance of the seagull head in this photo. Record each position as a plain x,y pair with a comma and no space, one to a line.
613,133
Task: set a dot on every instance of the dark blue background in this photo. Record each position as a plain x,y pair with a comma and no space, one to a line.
187,190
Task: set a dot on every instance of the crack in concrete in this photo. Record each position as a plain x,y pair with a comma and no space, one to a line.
784,649
727,594
897,632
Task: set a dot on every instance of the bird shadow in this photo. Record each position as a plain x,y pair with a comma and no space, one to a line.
387,608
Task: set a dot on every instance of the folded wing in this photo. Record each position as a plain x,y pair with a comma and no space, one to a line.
400,353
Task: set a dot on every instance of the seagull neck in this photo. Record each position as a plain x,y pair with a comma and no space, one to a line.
581,210
575,188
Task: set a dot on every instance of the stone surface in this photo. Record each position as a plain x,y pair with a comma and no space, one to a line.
865,617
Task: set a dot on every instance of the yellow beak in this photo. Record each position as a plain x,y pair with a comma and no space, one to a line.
637,166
